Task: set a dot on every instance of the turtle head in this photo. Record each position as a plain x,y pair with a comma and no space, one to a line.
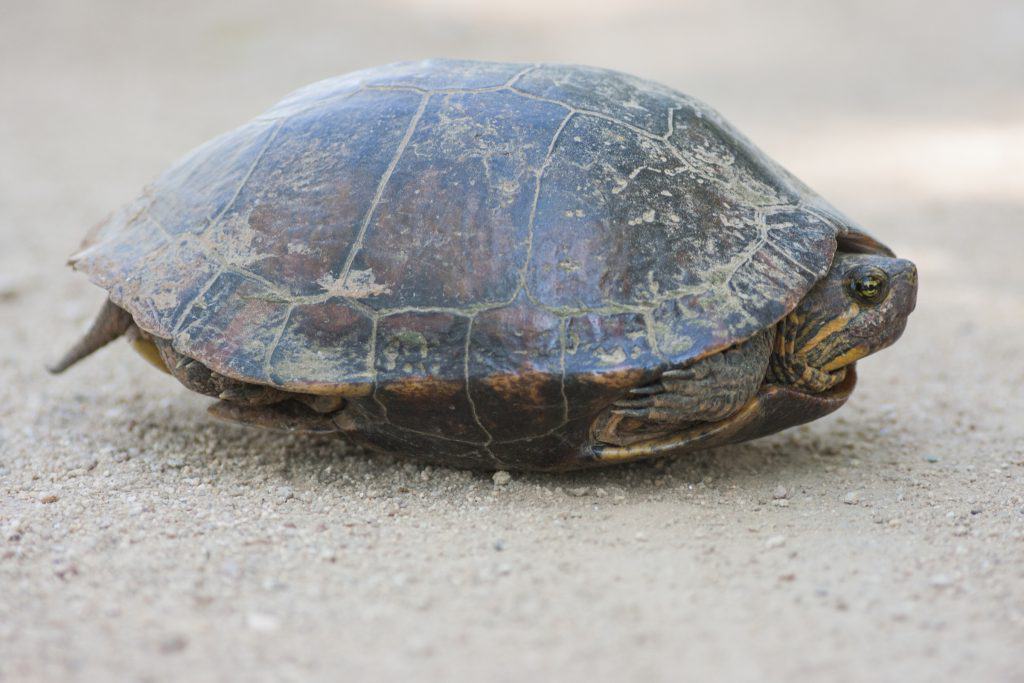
859,307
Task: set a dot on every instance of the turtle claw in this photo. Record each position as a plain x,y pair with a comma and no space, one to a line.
234,394
684,373
183,363
655,388
635,403
642,414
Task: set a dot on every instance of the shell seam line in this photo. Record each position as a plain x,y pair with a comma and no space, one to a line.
371,359
486,445
562,334
248,174
516,78
358,244
525,270
782,252
405,87
191,304
268,355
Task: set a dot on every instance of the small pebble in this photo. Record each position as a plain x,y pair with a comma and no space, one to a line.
501,478
173,644
9,289
780,492
263,623
851,497
775,542
49,498
931,458
578,491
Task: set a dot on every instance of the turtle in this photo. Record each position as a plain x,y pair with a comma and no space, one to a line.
496,265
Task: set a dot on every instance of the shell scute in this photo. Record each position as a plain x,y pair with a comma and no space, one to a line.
472,161
324,339
420,369
237,320
301,209
601,344
207,181
516,358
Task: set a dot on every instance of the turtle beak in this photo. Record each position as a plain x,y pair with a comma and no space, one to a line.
904,293
910,277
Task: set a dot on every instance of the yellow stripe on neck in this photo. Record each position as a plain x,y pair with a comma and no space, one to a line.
854,354
830,328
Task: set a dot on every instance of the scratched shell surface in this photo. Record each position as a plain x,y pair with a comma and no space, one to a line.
528,231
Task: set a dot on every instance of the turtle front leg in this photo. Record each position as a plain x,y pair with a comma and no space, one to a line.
710,390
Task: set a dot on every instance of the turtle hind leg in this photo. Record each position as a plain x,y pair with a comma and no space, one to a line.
111,323
708,391
201,379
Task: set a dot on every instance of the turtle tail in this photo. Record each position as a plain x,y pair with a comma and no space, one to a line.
111,323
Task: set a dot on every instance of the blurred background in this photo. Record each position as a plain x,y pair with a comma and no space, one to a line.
908,115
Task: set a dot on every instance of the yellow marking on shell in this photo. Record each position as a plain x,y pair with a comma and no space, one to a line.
147,349
854,354
831,327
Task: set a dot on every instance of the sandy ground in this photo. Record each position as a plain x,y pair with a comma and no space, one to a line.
140,540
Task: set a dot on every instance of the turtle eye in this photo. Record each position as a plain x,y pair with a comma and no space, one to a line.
868,285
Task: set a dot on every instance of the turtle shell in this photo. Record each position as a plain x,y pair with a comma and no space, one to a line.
466,241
